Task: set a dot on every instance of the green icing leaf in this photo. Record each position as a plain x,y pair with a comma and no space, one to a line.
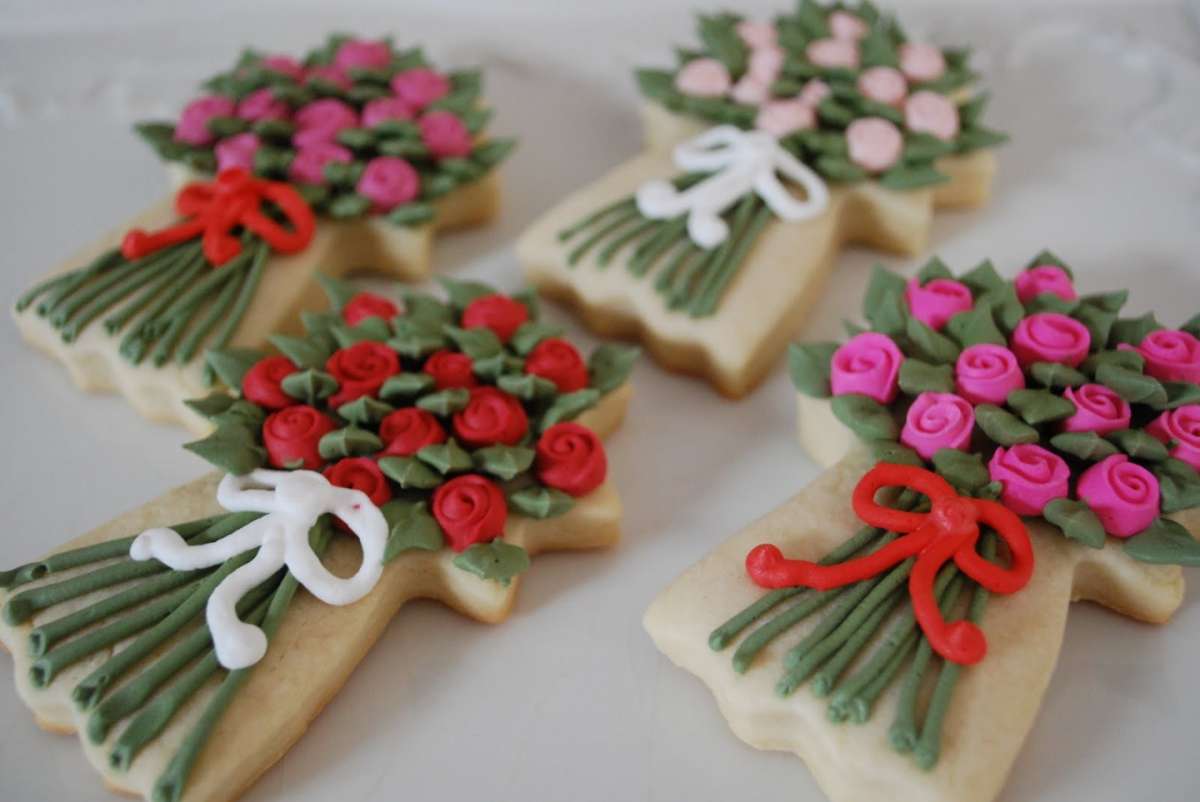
1164,542
461,293
929,345
1139,445
569,406
1003,427
505,462
906,177
528,298
410,527
415,341
1107,301
982,278
498,561
318,324
883,282
610,366
935,268
809,366
1007,309
211,405
1134,387
409,472
1130,360
242,413
1049,302
975,327
349,441
373,329
303,352
309,386
339,292
919,377
231,364
1084,445
404,386
1179,484
231,448
1132,330
1099,323
445,402
540,502
446,458
1040,406
1056,375
865,416
365,411
479,343
965,471
426,312
894,453
1181,393
530,333
526,386
1192,326
493,367
722,42
411,214
1048,257
1076,520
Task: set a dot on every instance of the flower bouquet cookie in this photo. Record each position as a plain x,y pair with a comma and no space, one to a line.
354,156
1020,446
422,449
769,146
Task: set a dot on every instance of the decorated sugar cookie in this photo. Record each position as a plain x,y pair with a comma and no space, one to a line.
397,450
355,155
769,146
1021,445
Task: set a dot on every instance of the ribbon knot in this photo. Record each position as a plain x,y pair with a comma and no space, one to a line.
211,210
950,530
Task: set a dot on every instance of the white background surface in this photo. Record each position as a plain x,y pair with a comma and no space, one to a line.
569,700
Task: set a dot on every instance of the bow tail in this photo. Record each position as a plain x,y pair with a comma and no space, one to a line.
959,641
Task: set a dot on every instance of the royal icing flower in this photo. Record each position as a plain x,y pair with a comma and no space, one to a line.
867,364
388,182
367,305
1123,494
450,369
292,435
814,91
703,77
1180,430
262,104
491,417
362,54
360,473
1097,409
779,118
192,127
1050,337
931,113
937,300
883,85
328,74
757,35
308,165
469,509
1031,475
406,431
497,312
360,370
382,109
571,458
445,135
874,144
1172,356
263,383
284,65
844,25
321,121
1044,279
985,374
765,64
237,151
936,421
559,361
921,62
420,86
833,53
751,91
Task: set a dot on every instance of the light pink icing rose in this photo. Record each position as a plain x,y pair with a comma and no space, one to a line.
1171,356
782,117
329,74
1181,426
766,63
867,364
192,127
1097,409
237,151
321,120
844,25
361,54
921,62
284,65
883,85
1044,279
1123,494
751,91
444,134
757,34
936,421
420,86
930,113
987,373
703,77
1050,337
308,165
383,109
262,105
937,301
814,91
1032,477
874,144
388,182
833,53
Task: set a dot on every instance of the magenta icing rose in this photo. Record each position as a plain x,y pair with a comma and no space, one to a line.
782,117
308,165
1182,427
420,86
192,127
262,105
361,54
867,364
388,182
921,62
883,85
987,373
284,65
936,421
1123,494
937,300
703,77
1172,356
1032,477
383,109
757,35
444,134
321,121
1050,337
1044,279
1097,409
931,113
833,53
874,144
814,91
329,74
237,151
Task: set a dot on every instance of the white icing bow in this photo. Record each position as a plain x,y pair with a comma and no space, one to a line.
740,162
292,501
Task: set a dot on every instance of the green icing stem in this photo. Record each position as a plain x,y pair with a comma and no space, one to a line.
649,251
168,274
711,295
133,346
616,224
129,285
623,205
113,277
70,282
826,679
218,310
245,295
610,250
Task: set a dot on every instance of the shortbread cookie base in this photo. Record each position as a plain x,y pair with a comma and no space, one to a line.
317,645
338,248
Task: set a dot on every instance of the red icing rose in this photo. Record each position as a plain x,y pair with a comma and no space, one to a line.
365,305
497,312
470,509
450,369
360,370
491,417
262,383
360,473
406,431
291,436
557,360
571,458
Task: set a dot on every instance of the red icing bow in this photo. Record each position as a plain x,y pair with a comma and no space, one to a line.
211,210
949,530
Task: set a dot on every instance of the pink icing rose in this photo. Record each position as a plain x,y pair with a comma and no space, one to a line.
936,421
1123,494
833,53
321,120
284,65
383,109
1171,356
362,54
262,105
444,134
193,123
883,85
937,301
867,364
930,113
844,25
814,91
1097,409
388,182
766,64
308,165
1181,426
1050,337
420,86
237,151
1044,279
782,117
329,74
921,62
987,373
1032,477
703,77
874,143
751,91
757,34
